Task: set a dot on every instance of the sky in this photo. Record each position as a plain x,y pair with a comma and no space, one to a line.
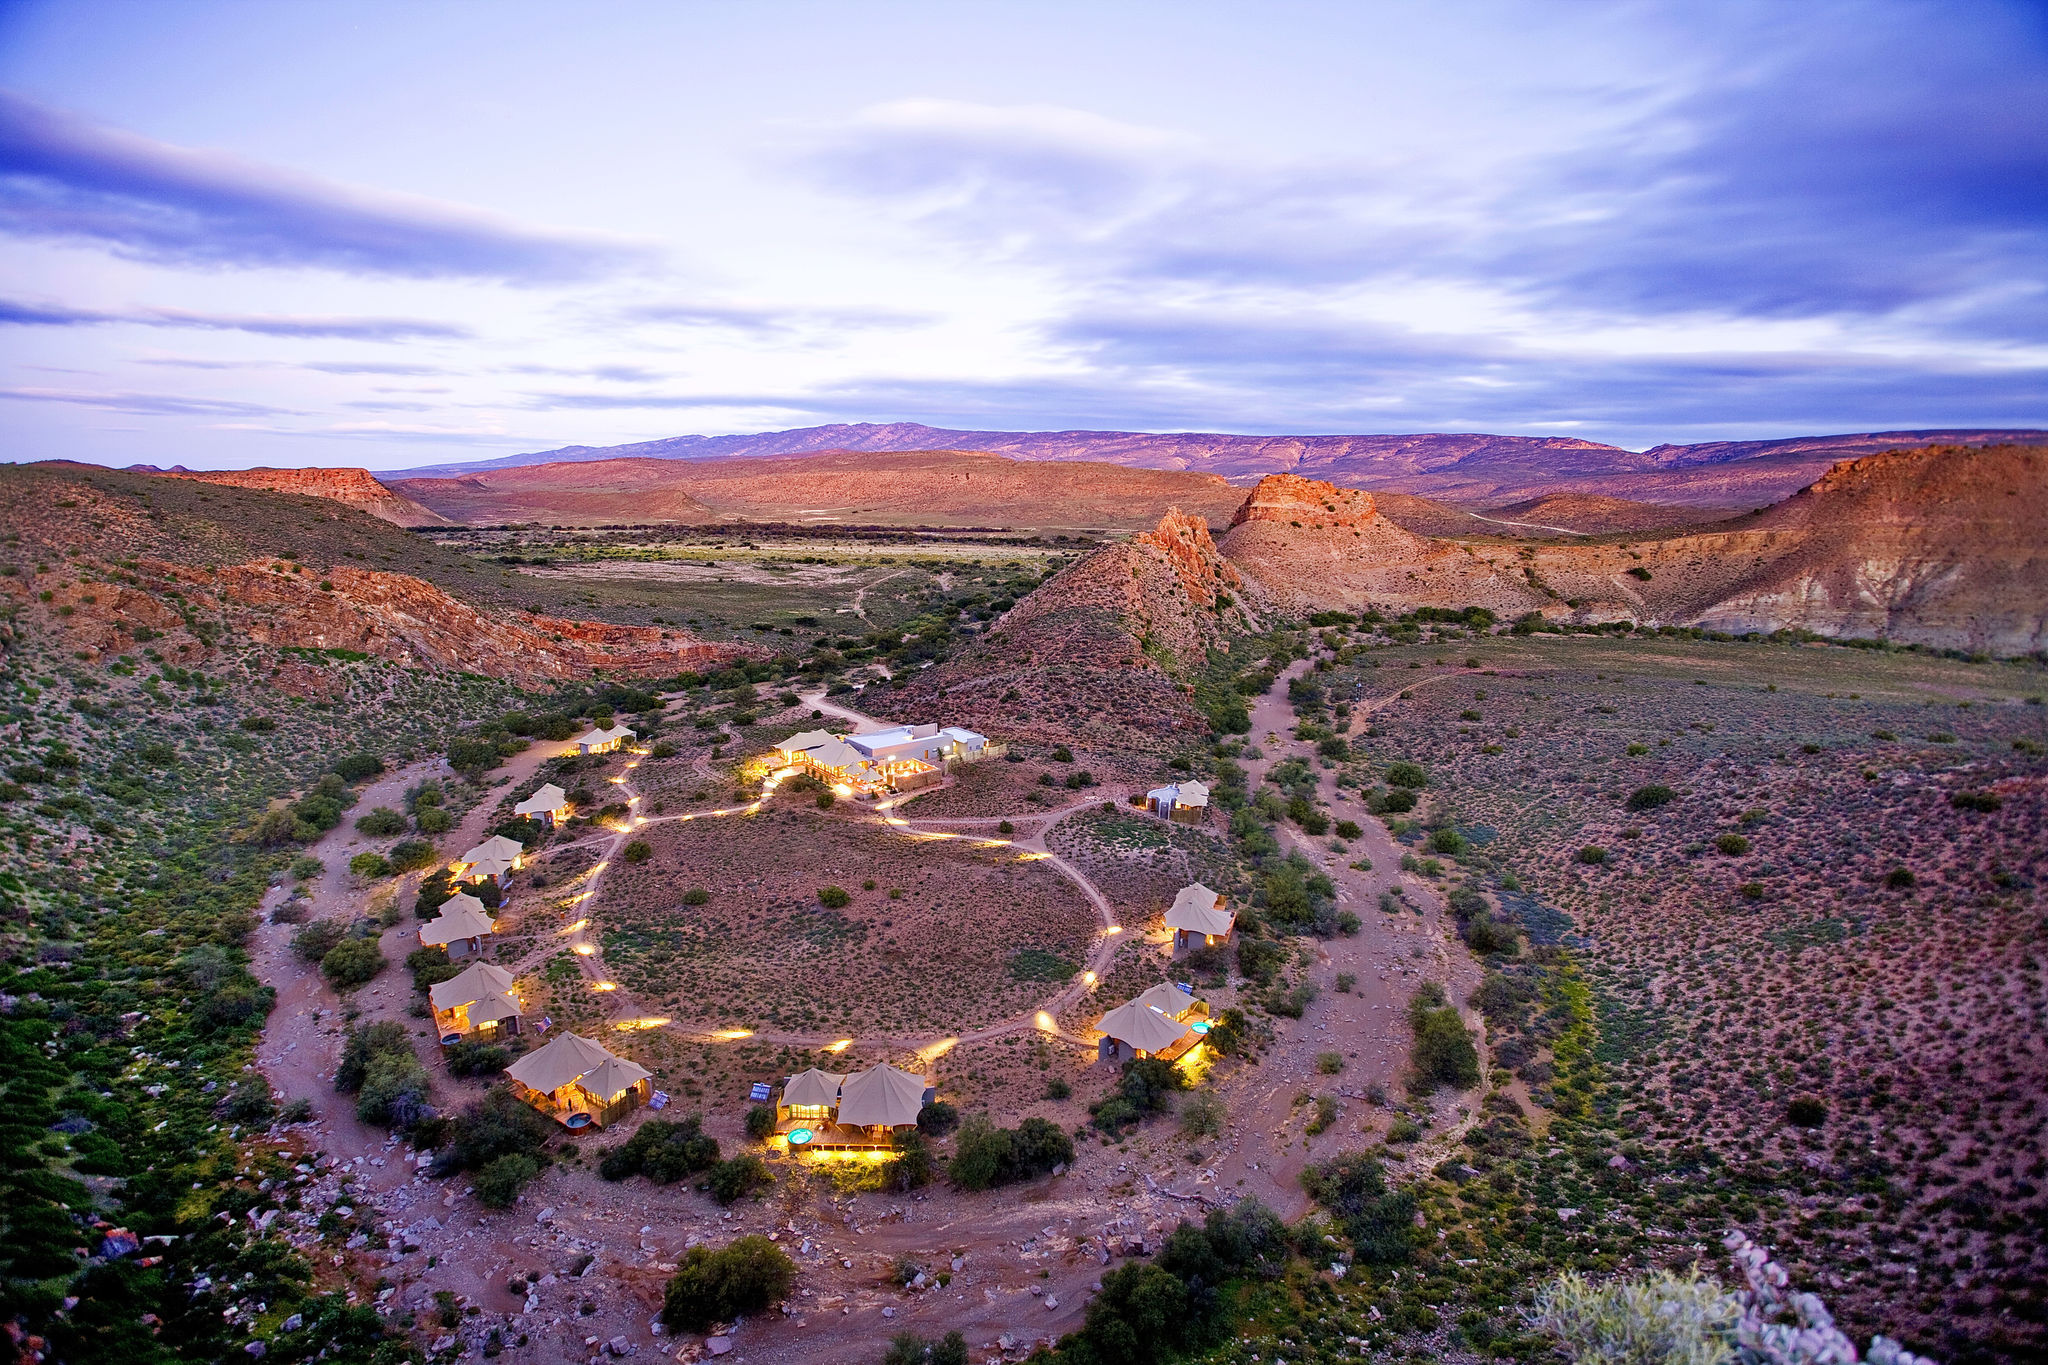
360,233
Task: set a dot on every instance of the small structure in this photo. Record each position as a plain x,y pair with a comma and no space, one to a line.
796,750
1187,802
578,1083
460,927
811,1095
882,1100
549,805
480,1000
602,741
1173,1002
1133,1030
1198,919
496,856
965,746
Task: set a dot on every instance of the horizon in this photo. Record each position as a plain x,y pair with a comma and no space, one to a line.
434,243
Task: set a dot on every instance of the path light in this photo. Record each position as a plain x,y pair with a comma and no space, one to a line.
840,1046
583,950
621,780
1087,978
1044,1021
729,1035
604,985
634,764
931,1052
1112,929
577,926
596,868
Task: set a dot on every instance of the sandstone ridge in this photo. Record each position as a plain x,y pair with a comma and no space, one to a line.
357,488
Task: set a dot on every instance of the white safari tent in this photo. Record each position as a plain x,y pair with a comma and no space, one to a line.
549,805
579,1083
881,1097
481,1000
597,740
1173,1002
460,927
496,856
1133,1030
812,1094
1187,802
1197,918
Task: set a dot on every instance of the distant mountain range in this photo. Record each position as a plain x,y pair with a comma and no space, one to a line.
1467,468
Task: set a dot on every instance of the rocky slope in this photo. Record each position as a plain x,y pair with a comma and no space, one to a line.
110,562
1471,468
1941,546
1103,650
356,488
926,487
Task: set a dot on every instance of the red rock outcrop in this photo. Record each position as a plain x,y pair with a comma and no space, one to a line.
358,488
387,615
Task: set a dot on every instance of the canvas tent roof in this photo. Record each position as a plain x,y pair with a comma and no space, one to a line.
549,797
612,1077
1143,1027
487,990
1167,998
488,867
549,1068
840,756
596,736
883,1094
809,739
460,917
496,848
1196,910
813,1087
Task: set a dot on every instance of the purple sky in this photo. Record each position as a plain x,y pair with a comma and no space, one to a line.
394,234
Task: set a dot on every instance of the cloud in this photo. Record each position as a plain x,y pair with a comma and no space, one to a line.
16,313
371,367
64,179
145,404
764,321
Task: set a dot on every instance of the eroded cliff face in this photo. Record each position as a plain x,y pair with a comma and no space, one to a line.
111,609
358,488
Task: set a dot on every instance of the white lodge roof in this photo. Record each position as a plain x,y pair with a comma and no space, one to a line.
1141,1026
549,797
497,848
461,916
481,983
884,1094
1196,910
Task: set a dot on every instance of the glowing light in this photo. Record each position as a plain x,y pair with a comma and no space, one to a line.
894,820
1087,978
604,985
596,868
580,924
728,1035
640,819
578,899
931,1052
619,780
840,1046
995,843
842,789
583,950
1044,1021
1113,929
634,764
651,1021
632,800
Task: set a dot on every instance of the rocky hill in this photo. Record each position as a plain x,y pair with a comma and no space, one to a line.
925,487
107,562
1944,546
1467,468
1103,650
356,488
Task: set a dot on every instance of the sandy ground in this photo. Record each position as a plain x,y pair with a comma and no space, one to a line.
1021,1262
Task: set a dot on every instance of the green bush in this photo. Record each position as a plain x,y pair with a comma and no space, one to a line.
1733,845
696,895
637,851
410,855
737,1177
1447,841
1348,829
498,1184
1406,774
1806,1112
369,866
937,1119
474,1057
1380,1222
1230,1035
1654,1317
761,1122
1650,797
1592,855
498,1125
1900,879
352,962
358,767
380,822
833,897
317,939
985,1156
433,820
379,1067
1984,803
664,1151
748,1276
908,1348
1444,1052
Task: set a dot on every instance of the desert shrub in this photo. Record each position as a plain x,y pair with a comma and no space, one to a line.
433,820
1348,829
1444,1053
473,1057
761,1122
1982,802
258,724
696,895
912,1169
1146,1087
317,939
663,1151
1406,774
747,1276
473,756
1900,879
937,1119
352,962
908,1348
1380,1222
1230,1035
1447,841
1485,935
637,851
305,867
380,822
1592,855
369,866
833,897
358,767
985,1156
1329,1063
497,1126
826,800
1203,1115
738,1177
379,1067
1734,845
498,1184
1650,797
410,855
1806,1112
1656,1317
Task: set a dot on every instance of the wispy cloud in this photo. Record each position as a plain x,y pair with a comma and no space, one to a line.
65,179
145,404
17,313
768,320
